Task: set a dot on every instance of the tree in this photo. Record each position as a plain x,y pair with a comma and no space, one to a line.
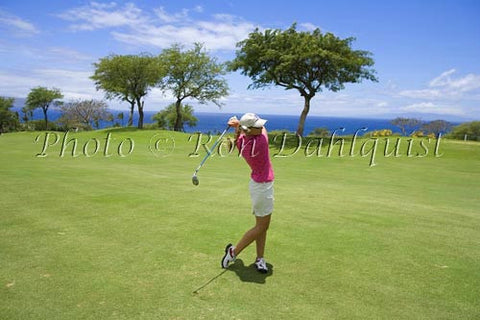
192,74
41,97
83,114
303,61
167,117
406,124
437,126
320,132
120,117
110,118
27,114
467,130
128,78
8,118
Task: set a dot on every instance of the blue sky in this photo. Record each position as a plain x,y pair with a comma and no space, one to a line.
427,53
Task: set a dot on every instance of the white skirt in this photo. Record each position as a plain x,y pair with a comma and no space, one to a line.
262,198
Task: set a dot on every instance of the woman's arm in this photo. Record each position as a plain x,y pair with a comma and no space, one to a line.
233,122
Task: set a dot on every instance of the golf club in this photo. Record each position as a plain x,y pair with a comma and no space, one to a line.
195,180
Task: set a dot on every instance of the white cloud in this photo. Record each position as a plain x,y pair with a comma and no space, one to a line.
466,83
422,94
15,85
97,16
350,105
441,80
67,54
308,26
448,94
445,86
215,35
382,104
164,16
198,9
25,56
161,29
420,107
432,108
73,84
182,16
17,25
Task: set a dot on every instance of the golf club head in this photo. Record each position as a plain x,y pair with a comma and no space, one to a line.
195,180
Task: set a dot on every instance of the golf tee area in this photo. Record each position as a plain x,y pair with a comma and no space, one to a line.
107,225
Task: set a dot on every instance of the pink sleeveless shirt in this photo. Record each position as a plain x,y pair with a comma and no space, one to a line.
255,151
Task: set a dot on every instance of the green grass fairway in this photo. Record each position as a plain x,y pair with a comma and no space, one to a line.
125,235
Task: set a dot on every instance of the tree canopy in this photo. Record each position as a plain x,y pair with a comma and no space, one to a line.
304,61
407,124
8,118
128,78
41,97
192,74
84,114
167,118
437,126
467,130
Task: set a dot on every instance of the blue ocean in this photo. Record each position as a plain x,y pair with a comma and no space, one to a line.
212,122
216,122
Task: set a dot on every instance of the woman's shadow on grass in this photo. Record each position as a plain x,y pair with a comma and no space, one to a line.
250,273
245,273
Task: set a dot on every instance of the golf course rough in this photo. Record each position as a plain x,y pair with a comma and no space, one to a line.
98,235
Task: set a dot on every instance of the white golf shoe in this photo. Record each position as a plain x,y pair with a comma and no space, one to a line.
229,256
261,265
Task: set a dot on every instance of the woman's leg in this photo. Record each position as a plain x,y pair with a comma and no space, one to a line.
260,244
258,233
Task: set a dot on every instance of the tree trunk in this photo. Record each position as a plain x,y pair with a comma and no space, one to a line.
303,116
45,116
140,113
178,121
130,116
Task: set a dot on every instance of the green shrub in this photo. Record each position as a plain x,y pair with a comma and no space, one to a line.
320,132
38,125
470,130
381,133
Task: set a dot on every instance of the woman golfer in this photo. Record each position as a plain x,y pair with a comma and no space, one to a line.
252,141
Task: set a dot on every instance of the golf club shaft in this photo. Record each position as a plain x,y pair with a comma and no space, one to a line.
210,151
